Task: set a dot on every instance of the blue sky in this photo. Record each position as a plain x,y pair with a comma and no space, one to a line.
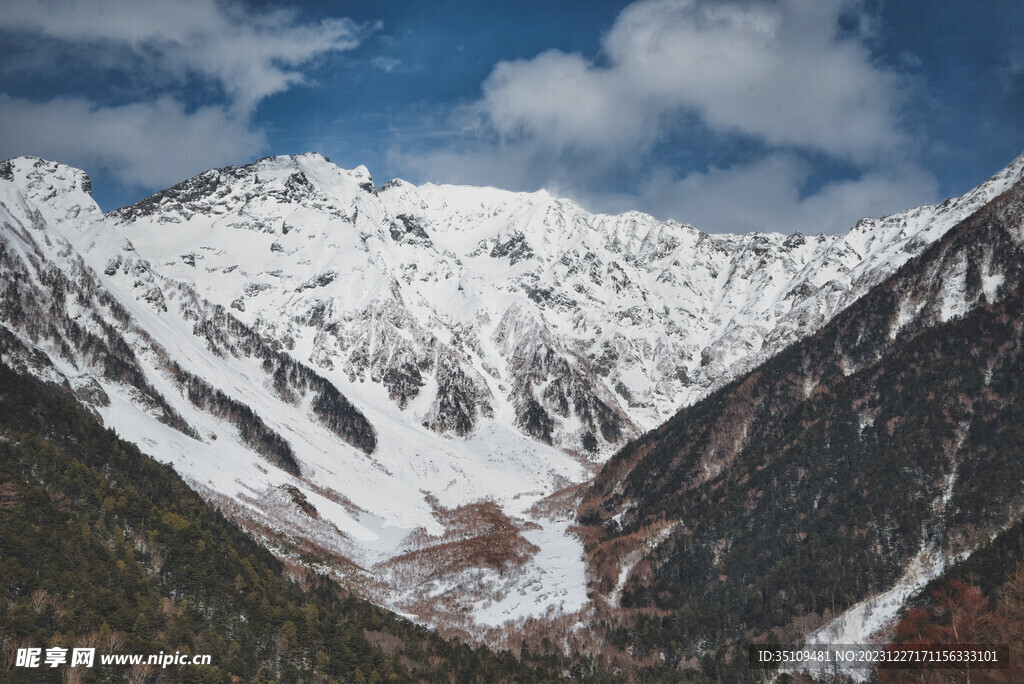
729,114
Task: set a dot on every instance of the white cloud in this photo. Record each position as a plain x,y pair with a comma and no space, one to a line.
777,71
250,54
386,64
561,100
246,54
766,195
780,73
152,144
500,164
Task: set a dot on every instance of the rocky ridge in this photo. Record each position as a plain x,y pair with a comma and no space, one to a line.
467,305
344,368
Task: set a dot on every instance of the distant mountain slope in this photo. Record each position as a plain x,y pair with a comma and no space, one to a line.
275,443
105,548
890,436
469,305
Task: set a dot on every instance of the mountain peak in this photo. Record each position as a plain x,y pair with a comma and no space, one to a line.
1013,172
56,191
55,175
314,165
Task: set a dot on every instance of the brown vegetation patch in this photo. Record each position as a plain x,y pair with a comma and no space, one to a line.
300,500
562,502
289,534
477,535
388,643
606,559
335,496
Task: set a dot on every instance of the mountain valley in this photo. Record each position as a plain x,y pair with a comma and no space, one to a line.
489,411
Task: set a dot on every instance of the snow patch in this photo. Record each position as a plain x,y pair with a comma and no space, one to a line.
861,623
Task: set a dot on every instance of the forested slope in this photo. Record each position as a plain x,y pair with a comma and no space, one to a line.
101,546
813,481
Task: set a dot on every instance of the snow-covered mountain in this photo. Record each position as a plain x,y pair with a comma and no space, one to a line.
466,306
815,494
391,378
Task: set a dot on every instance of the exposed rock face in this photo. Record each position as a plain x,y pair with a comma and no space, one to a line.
389,353
820,477
340,426
465,304
406,228
60,316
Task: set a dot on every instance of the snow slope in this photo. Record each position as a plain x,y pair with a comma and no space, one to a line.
421,365
68,274
577,329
